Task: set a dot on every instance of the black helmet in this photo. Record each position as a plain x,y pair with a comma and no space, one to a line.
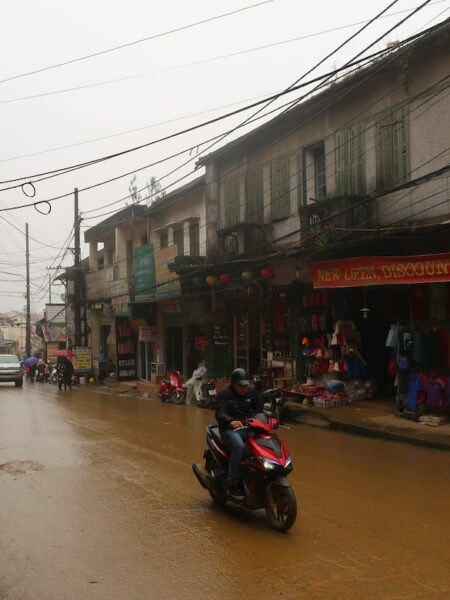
240,377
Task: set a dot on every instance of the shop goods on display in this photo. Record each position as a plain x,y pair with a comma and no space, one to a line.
433,420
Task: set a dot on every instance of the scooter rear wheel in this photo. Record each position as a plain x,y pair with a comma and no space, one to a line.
281,507
217,493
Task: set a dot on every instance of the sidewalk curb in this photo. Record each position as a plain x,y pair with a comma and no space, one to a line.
315,419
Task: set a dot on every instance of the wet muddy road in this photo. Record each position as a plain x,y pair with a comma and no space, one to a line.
98,501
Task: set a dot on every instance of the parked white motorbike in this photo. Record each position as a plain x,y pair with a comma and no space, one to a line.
200,391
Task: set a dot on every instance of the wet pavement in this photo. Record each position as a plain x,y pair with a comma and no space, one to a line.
98,500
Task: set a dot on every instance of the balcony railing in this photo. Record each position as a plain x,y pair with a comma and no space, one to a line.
324,220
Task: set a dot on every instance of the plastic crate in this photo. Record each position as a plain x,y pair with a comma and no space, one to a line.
158,368
323,402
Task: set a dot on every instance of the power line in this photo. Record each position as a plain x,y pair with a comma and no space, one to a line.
135,42
70,168
205,60
302,123
268,100
361,133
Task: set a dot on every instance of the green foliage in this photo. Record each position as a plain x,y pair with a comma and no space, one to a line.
152,191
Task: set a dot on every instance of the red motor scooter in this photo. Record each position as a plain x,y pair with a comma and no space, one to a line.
265,464
172,390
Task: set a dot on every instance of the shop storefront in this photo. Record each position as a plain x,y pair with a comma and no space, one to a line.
384,320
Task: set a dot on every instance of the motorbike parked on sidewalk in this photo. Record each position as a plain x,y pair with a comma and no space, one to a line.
265,465
200,391
172,389
52,375
273,399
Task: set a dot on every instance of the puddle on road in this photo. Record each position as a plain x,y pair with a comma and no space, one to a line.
17,467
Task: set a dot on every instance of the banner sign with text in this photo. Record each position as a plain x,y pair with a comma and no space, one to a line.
380,270
82,360
144,273
126,350
167,282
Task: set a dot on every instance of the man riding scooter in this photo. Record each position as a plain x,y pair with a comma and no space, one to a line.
235,403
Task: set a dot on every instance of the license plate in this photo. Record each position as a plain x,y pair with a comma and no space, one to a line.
212,392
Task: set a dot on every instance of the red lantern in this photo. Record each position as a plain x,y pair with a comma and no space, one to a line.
225,278
267,273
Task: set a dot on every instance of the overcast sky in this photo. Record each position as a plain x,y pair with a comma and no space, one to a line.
55,130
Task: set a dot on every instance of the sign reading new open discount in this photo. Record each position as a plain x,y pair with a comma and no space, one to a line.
380,270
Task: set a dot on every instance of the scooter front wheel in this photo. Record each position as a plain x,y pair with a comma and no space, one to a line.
178,398
281,506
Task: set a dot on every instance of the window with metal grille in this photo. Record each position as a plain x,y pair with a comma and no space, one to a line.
194,239
350,164
320,176
392,146
280,197
231,201
254,196
163,238
178,240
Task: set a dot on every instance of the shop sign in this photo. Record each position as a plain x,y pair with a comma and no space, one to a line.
82,359
381,270
170,306
136,323
144,272
249,290
147,334
168,283
55,313
54,333
119,292
51,349
221,336
201,342
125,349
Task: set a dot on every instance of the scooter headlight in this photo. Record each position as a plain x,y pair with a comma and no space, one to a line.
270,464
288,460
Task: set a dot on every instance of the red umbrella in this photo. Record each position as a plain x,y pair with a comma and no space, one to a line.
67,353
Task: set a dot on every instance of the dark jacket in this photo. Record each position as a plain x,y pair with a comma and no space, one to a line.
232,407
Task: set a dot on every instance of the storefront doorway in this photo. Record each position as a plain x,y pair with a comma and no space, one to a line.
246,347
145,359
174,349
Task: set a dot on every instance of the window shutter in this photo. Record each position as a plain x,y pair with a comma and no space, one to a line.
360,186
392,139
254,212
232,204
301,187
280,188
340,163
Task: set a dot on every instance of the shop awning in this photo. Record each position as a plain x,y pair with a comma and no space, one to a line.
380,270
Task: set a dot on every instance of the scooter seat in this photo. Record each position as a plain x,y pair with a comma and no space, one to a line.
215,434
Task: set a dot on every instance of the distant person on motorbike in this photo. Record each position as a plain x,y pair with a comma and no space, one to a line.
235,403
40,367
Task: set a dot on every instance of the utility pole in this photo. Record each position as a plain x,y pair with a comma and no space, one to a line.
77,272
49,288
28,315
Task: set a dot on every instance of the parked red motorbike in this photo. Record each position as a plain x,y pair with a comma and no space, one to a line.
172,390
264,467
